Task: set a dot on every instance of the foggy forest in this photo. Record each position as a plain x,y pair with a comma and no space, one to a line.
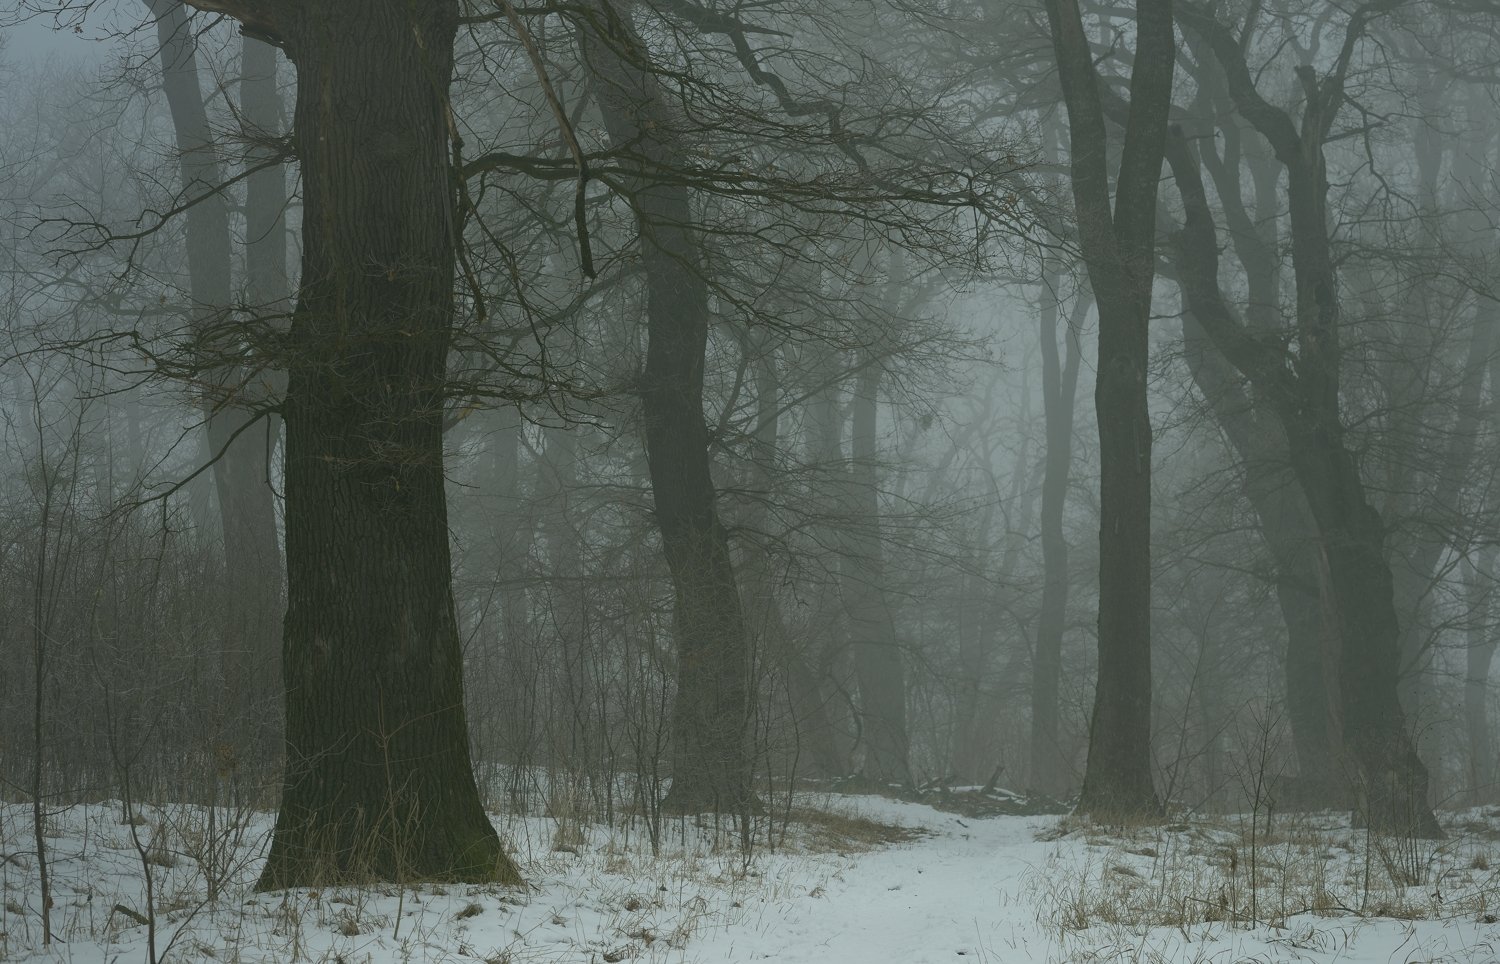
522,481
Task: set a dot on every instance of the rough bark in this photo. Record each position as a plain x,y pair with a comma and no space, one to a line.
711,757
1117,242
1285,525
379,784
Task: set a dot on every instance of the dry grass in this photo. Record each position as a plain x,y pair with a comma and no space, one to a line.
817,830
1208,872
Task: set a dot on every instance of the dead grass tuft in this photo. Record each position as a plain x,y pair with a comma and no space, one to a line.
823,831
1216,872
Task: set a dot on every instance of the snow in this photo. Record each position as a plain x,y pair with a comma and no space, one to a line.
856,879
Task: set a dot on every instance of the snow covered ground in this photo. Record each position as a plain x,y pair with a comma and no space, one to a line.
856,879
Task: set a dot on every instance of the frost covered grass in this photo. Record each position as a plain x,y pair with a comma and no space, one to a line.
1306,883
856,879
594,892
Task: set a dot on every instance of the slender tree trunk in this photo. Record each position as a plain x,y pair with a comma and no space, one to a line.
1479,586
809,704
241,467
710,753
875,644
1118,248
379,784
832,659
508,721
514,529
572,688
974,643
257,555
1059,387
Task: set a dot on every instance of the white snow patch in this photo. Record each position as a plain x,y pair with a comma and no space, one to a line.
995,889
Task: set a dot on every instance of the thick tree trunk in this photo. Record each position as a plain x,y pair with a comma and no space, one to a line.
1117,242
711,757
379,784
1392,783
1311,681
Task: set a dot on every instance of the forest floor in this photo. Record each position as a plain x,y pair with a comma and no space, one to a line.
850,879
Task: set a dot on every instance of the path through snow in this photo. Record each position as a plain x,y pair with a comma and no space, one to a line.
964,889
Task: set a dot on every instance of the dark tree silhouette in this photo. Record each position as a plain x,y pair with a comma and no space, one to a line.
379,783
1117,243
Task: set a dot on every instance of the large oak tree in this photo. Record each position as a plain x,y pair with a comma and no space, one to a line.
379,783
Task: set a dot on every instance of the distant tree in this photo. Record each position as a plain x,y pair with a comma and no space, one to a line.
1270,486
1060,368
1307,404
1359,605
1479,576
233,392
710,748
873,634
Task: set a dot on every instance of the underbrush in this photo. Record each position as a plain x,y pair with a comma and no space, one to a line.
1235,872
175,883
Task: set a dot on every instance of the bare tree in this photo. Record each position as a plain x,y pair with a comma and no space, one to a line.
241,457
379,783
1059,387
1392,780
710,761
1117,241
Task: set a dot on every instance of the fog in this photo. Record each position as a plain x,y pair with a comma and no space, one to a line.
635,413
